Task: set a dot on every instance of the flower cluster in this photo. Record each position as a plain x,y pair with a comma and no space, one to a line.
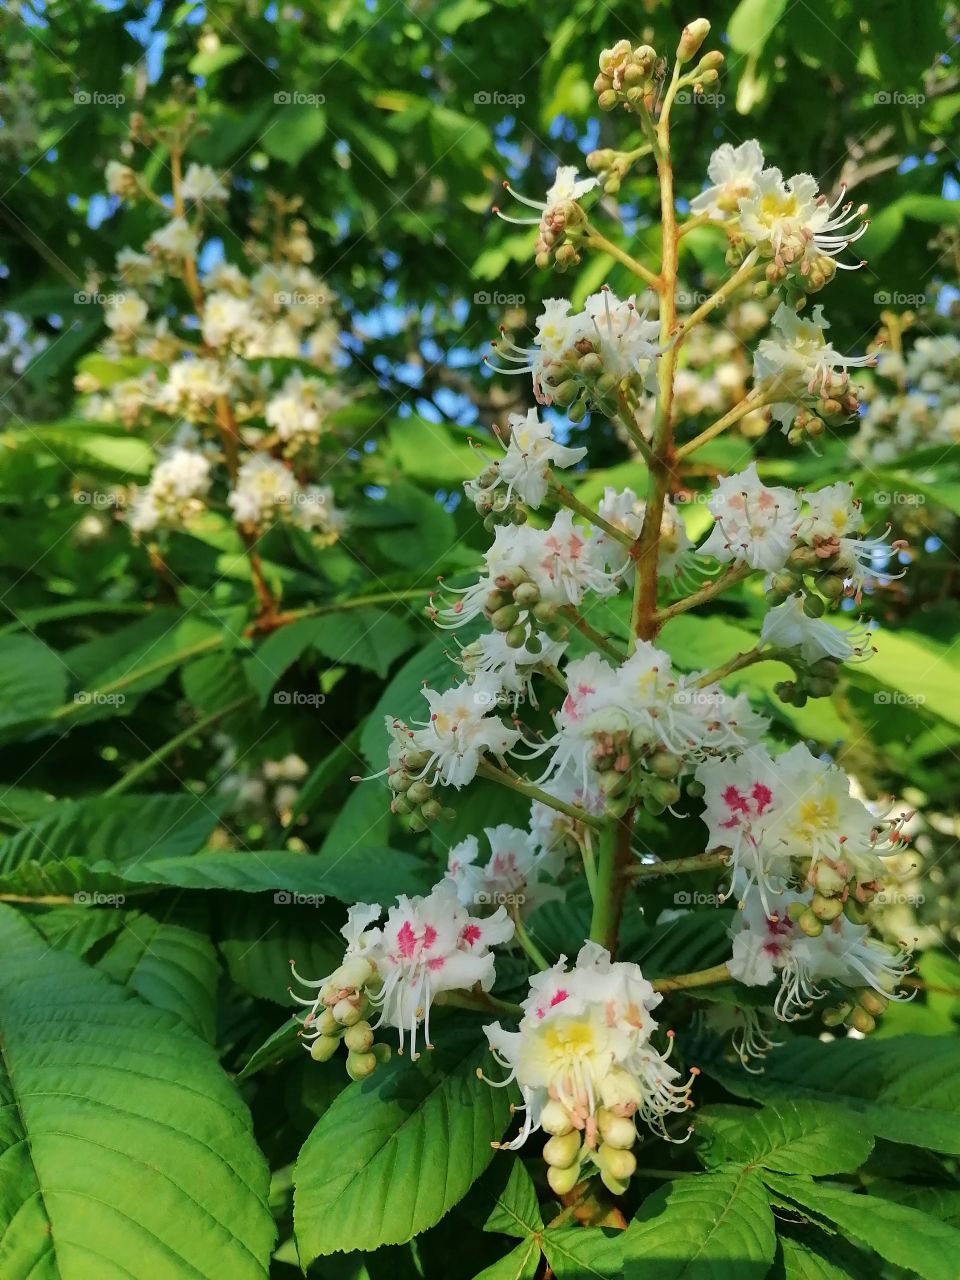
587,1066
393,972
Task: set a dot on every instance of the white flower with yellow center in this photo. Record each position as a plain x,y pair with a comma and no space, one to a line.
177,239
755,524
192,387
625,511
531,452
262,485
126,314
796,225
734,172
462,728
587,1069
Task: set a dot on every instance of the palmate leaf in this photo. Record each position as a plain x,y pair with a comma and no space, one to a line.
788,1137
901,1088
396,1151
713,1226
124,1149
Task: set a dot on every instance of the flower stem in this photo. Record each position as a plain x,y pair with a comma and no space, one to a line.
736,573
594,636
738,662
597,241
570,500
481,1001
533,792
699,978
739,410
722,295
678,866
525,940
615,855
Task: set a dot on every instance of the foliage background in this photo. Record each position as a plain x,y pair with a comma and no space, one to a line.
425,107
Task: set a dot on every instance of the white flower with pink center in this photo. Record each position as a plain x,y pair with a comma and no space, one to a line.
755,525
510,877
462,728
428,945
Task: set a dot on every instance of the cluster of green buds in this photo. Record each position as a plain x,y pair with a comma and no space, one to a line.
514,607
414,800
860,1012
628,76
817,571
608,1148
345,1000
837,891
836,405
579,381
496,504
611,167
631,771
560,235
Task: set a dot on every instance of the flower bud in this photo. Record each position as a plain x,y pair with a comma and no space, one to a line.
831,585
516,637
862,1021
382,1053
813,606
665,764
809,924
527,595
607,100
827,879
563,1180
361,1065
555,1118
505,618
825,909
561,1151
616,1131
711,61
691,38
359,1037
618,1163
834,1017
432,811
419,792
872,1002
323,1048
346,1013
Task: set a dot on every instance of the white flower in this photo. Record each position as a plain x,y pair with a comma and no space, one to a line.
514,668
137,268
262,484
177,239
228,320
510,877
201,182
738,804
835,515
768,942
428,945
755,525
796,225
126,314
525,468
173,494
624,510
121,179
586,1067
629,342
734,172
787,626
800,361
565,188
556,833
314,508
192,387
463,726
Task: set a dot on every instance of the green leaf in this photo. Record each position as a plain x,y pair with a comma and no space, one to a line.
282,1045
901,1088
122,1141
516,1212
521,1263
797,1137
294,130
370,638
924,1246
802,1262
403,697
714,1226
259,939
394,1152
33,680
581,1253
167,964
752,23
209,61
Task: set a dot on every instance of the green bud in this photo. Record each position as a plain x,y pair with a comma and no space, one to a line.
555,1118
825,909
615,1161
831,585
874,1003
664,764
664,791
785,583
803,558
419,792
616,1131
606,101
505,618
432,811
819,688
382,1053
544,612
563,1180
813,606
613,783
795,910
346,1013
862,1021
591,365
834,1017
691,38
496,600
566,392
534,643
361,1065
809,924
323,1048
578,411
326,1023
359,1037
562,1149
526,595
854,911
516,637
